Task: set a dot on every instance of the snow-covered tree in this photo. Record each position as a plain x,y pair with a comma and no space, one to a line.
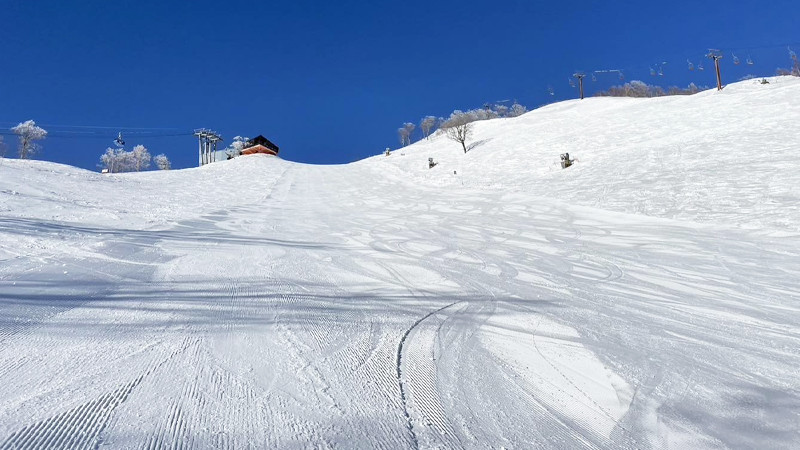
237,146
140,158
410,130
426,125
162,162
458,127
402,134
28,134
501,110
517,110
2,147
116,160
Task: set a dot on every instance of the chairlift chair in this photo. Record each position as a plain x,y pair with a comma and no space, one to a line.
749,60
118,141
691,66
571,82
652,72
735,59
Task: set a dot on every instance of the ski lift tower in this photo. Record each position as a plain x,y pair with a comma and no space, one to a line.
580,76
207,140
716,55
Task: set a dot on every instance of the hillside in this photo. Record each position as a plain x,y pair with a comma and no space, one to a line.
724,157
645,298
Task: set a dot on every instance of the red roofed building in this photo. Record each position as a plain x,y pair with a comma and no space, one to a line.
260,144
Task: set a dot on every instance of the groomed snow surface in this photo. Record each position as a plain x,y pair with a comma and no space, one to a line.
647,297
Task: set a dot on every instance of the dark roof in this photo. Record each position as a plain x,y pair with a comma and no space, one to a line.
261,140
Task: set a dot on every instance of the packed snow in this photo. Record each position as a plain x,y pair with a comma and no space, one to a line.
647,297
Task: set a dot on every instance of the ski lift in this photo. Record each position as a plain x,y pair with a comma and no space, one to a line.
652,72
550,90
621,76
749,60
571,82
594,77
735,59
661,71
118,141
700,67
691,66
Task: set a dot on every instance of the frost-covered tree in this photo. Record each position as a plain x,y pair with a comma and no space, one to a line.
409,127
238,144
140,158
402,134
116,160
28,134
517,110
2,148
501,110
426,125
162,162
458,127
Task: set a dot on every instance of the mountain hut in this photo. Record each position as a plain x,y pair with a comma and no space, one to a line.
260,144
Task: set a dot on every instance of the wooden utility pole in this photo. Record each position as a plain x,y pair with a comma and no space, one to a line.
580,77
716,55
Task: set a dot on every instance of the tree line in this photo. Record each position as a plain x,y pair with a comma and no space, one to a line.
114,159
458,122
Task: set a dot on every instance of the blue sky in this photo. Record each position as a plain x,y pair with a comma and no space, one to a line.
330,82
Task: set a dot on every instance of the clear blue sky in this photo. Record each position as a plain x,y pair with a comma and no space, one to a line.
331,81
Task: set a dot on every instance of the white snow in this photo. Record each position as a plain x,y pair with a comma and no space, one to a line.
647,297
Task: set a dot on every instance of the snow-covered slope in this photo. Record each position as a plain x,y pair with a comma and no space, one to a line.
645,298
725,157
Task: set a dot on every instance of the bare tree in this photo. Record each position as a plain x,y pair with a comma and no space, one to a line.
458,128
28,134
427,124
162,162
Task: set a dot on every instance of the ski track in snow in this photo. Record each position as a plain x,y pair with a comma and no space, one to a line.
383,305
